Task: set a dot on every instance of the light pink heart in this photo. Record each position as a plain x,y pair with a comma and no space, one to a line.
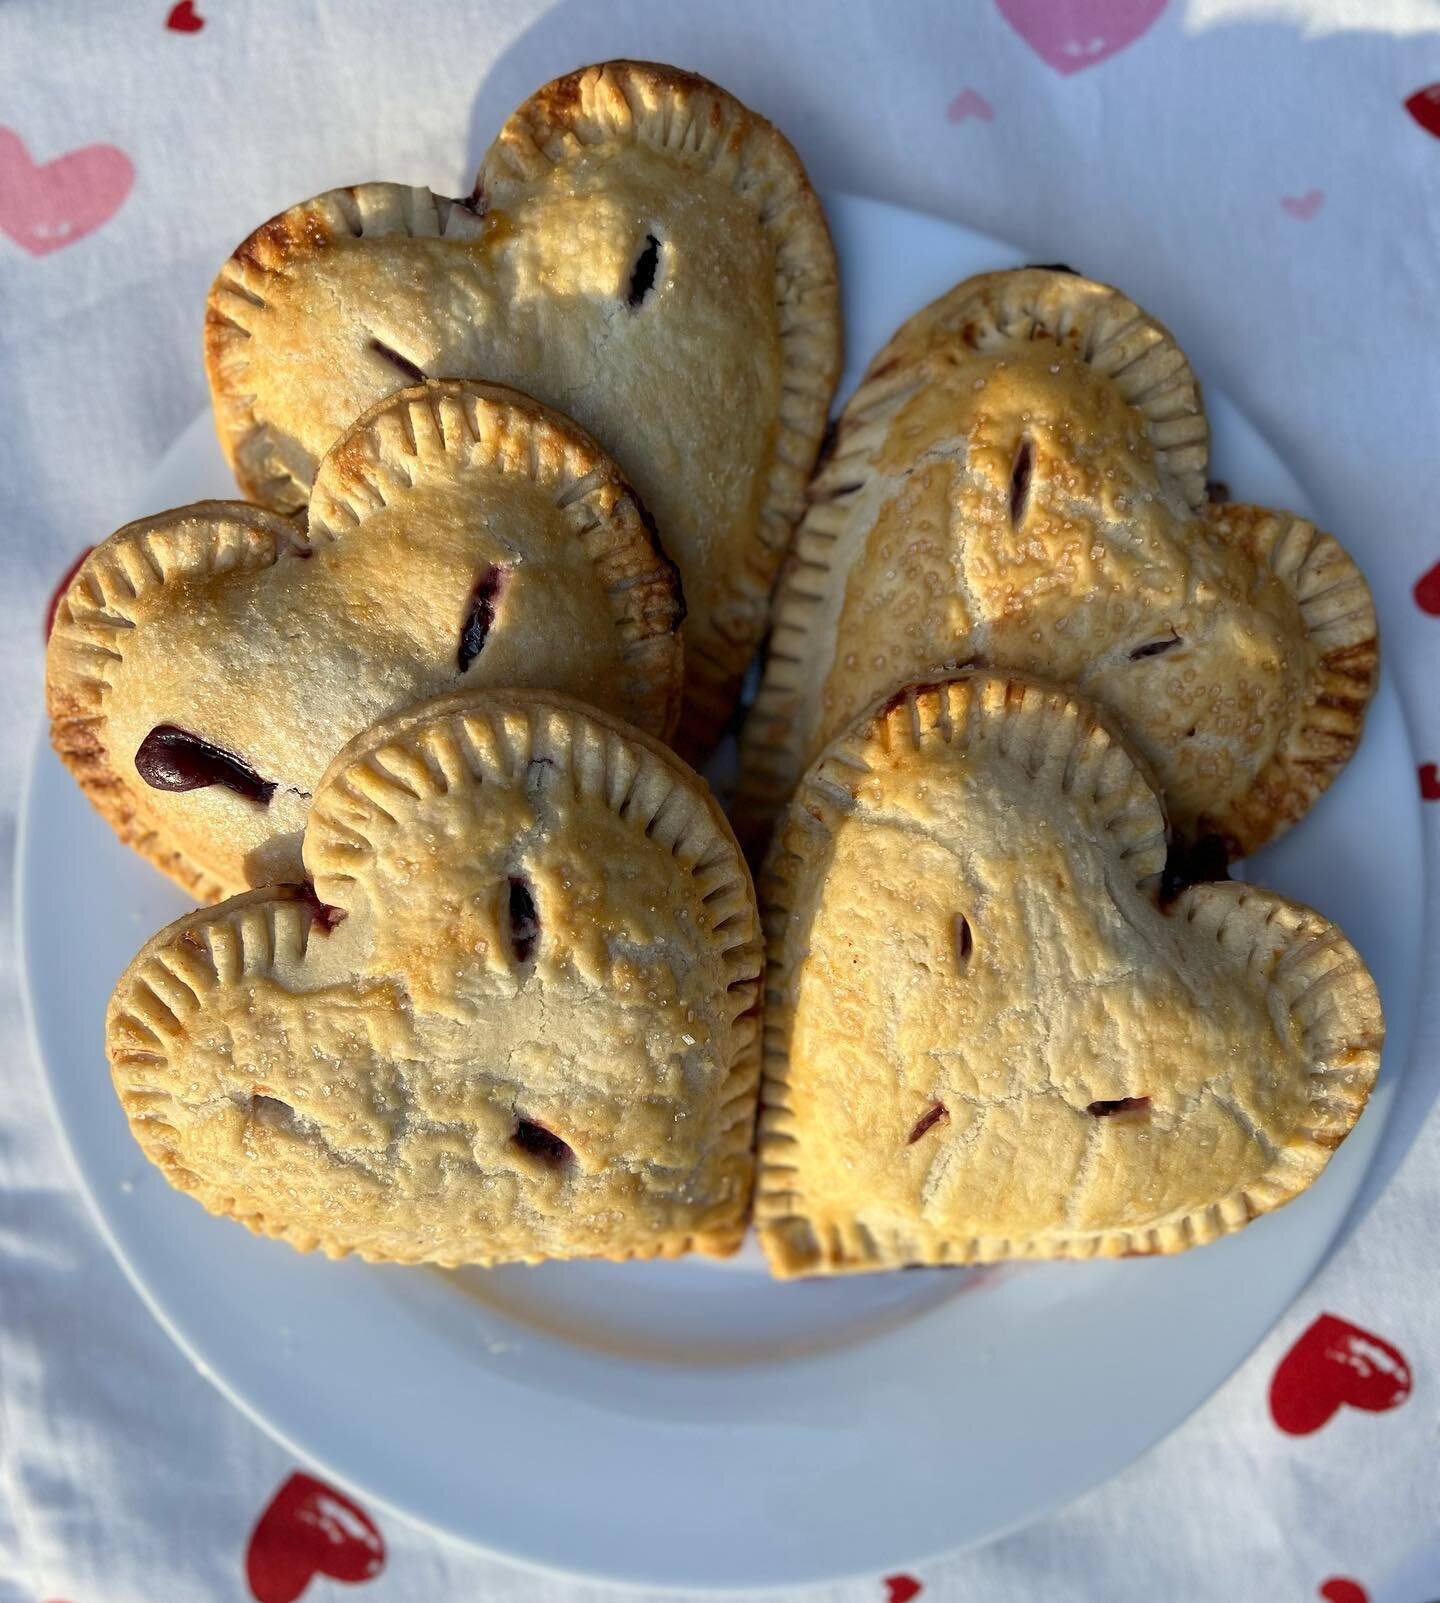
969,103
1070,35
1304,206
44,207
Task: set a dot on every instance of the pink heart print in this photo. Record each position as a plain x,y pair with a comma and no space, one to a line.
969,103
1303,206
1070,35
45,206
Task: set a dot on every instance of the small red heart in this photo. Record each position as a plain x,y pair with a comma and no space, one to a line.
1334,1363
310,1529
61,588
901,1588
1424,107
1339,1590
1429,782
1427,591
184,18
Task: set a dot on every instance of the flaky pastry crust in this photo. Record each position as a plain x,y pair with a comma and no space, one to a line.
1020,483
643,252
516,1017
459,534
989,1035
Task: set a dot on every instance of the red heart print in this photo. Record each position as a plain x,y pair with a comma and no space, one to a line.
1424,107
901,1588
61,588
1427,591
1338,1589
1070,35
1429,782
184,18
310,1529
1334,1363
44,207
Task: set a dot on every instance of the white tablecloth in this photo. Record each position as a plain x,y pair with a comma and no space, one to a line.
1250,169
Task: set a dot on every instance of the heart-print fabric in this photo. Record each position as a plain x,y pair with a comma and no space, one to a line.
1043,1057
1020,482
641,251
458,534
515,1017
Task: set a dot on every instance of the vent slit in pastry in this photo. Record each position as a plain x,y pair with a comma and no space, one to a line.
270,1110
1123,1104
1020,476
642,275
542,1143
1156,648
524,919
413,372
480,618
927,1121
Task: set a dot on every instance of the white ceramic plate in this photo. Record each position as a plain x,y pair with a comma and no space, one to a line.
693,1424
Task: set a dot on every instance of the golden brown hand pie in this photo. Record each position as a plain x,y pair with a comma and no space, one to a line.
206,664
515,1018
987,1033
1020,482
641,251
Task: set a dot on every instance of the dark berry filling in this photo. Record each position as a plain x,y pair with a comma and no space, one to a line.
927,1121
416,375
173,759
1020,475
541,1143
1120,1104
524,919
642,275
480,615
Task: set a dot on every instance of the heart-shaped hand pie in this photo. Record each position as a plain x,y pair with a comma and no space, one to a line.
1020,482
207,664
1041,1058
641,251
515,1018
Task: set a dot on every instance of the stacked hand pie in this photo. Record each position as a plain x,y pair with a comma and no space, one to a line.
1020,481
483,978
486,987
